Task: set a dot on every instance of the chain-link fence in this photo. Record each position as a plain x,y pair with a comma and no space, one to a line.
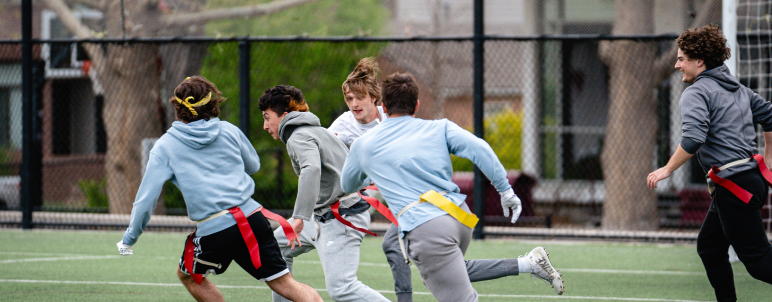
547,114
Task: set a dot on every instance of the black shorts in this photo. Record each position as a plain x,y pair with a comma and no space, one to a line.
214,253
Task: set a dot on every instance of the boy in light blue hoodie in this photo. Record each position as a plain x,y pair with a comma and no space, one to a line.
210,162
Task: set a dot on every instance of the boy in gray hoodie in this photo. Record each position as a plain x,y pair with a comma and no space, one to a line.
210,162
317,157
718,115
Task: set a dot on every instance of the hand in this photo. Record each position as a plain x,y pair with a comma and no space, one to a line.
510,200
125,250
656,176
297,225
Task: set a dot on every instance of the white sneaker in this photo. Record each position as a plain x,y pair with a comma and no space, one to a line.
543,269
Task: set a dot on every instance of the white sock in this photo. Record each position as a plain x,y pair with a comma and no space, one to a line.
524,266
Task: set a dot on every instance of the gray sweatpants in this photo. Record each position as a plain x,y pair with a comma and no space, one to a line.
437,247
338,248
476,269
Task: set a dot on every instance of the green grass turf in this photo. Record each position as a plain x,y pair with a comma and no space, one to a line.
84,266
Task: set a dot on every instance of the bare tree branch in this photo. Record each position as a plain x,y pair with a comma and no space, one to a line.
234,12
88,3
80,30
663,66
68,19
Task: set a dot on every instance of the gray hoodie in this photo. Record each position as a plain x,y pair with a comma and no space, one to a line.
718,114
317,157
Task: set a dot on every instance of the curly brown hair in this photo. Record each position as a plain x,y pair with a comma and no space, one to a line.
281,99
707,43
197,87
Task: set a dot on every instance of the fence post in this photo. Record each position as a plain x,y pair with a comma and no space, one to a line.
31,176
479,98
244,98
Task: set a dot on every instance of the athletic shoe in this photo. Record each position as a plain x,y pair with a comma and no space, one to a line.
543,269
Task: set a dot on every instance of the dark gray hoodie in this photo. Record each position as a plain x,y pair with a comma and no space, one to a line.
718,114
317,157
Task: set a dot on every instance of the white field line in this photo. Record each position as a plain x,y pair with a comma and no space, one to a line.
37,253
56,259
370,264
562,270
322,289
638,272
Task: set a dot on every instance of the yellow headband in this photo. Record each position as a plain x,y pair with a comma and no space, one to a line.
190,106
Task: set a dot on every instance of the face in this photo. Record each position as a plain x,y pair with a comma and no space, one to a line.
271,122
690,68
363,107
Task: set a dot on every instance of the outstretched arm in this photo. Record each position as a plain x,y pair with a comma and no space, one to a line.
464,144
156,175
675,162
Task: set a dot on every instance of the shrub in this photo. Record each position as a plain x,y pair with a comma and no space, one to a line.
95,192
503,132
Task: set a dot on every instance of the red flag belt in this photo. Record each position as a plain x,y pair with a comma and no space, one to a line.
381,208
336,213
741,193
246,233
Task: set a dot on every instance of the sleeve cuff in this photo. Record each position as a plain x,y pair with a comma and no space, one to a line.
690,145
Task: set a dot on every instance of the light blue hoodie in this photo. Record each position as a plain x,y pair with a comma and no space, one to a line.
210,162
407,157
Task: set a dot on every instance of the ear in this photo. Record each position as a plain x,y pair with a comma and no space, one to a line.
281,117
384,109
417,104
700,63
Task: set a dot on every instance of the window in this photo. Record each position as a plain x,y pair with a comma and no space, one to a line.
65,60
76,116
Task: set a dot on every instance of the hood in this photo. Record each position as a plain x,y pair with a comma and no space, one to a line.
296,119
196,134
722,76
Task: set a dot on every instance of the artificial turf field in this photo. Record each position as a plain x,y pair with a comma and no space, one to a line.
85,266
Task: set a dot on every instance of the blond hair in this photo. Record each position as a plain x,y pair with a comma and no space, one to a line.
363,81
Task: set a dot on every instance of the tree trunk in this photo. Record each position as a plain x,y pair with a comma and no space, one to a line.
631,132
131,80
180,60
130,74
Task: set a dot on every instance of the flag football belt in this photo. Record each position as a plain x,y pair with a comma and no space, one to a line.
741,193
381,208
439,200
246,233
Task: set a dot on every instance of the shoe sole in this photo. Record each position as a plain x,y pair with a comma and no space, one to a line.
557,282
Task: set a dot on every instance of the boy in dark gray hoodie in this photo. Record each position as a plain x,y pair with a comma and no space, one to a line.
718,116
317,157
